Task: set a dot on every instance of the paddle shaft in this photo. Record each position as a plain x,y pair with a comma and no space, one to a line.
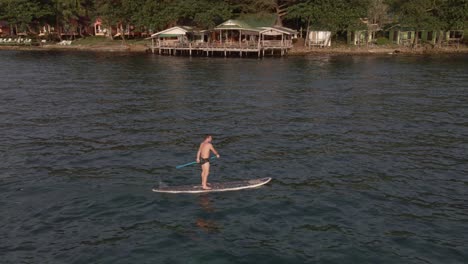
191,163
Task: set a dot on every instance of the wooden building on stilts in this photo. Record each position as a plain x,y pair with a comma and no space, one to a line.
231,38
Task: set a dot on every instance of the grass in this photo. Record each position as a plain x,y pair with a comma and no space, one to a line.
104,41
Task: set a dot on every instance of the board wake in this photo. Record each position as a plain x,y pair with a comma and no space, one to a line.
216,186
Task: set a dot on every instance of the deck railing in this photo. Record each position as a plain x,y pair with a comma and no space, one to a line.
225,45
276,43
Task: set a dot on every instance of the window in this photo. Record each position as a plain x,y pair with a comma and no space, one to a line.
429,36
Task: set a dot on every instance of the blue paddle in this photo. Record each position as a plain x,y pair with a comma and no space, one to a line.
191,163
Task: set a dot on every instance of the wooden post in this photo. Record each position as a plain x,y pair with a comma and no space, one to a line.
306,42
152,45
240,38
258,46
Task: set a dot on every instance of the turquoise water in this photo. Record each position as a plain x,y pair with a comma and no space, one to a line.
367,156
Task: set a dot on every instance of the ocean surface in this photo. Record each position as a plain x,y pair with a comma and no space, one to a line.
368,156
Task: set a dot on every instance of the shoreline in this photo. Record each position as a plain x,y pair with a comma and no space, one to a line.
98,48
295,51
383,50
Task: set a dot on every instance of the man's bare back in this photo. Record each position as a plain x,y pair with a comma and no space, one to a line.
205,149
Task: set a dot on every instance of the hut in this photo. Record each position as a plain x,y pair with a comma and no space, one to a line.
172,37
4,28
99,29
428,36
453,37
359,37
402,36
45,30
237,35
363,36
178,38
319,39
405,36
277,36
232,36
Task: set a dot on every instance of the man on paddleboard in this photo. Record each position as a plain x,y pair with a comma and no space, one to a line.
203,158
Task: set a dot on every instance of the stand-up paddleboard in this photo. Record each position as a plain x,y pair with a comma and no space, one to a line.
215,187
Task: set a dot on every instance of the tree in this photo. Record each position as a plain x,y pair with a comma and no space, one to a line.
203,13
377,12
453,14
333,15
115,12
277,7
419,15
67,13
21,13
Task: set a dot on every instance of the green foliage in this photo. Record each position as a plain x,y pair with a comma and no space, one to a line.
22,12
205,13
430,14
453,14
419,14
383,41
333,15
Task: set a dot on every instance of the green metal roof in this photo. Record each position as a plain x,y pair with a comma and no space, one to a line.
249,22
236,24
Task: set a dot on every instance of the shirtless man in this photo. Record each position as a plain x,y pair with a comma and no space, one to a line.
203,158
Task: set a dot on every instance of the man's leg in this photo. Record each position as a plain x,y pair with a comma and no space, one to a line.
205,173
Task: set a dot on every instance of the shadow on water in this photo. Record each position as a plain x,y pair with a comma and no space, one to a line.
203,222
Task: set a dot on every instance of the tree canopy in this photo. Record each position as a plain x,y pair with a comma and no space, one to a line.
334,15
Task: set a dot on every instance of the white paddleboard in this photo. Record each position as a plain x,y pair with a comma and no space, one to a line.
215,187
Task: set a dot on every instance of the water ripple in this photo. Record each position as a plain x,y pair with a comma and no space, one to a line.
367,155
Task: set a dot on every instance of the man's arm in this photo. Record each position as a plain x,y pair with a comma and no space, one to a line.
198,154
214,151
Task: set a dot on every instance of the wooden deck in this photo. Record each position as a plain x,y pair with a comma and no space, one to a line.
270,47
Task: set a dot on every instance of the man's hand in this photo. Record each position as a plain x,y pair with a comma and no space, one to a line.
217,156
198,160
